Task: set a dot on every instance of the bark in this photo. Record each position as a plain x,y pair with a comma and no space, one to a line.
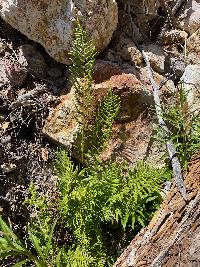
173,236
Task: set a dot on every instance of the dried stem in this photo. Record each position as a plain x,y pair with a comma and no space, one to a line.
169,145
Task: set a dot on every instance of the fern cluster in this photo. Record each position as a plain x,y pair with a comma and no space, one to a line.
82,56
102,195
102,129
38,248
90,200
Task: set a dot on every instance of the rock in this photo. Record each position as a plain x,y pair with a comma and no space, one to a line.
3,76
15,73
31,59
132,131
190,19
134,97
156,57
191,83
51,23
3,48
167,89
193,48
61,125
128,51
110,55
142,14
104,70
8,167
177,66
174,36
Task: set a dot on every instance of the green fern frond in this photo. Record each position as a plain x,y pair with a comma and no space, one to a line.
184,126
107,194
102,130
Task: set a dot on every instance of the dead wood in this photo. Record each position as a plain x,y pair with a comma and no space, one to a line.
169,145
173,236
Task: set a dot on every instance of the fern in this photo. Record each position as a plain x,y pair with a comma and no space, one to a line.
102,195
184,127
95,130
97,197
90,200
102,129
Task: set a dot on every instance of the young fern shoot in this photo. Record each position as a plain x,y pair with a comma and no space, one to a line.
95,127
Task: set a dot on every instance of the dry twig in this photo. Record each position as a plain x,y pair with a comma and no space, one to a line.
169,145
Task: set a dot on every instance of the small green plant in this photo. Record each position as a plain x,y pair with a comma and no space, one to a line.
90,200
184,127
95,126
102,195
82,58
102,129
38,248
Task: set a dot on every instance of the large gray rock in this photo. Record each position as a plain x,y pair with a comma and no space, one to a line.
51,23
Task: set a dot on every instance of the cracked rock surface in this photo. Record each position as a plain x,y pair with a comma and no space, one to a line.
51,23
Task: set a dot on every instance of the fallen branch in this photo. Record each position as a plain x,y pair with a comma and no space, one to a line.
169,145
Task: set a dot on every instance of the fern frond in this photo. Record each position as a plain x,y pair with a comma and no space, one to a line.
102,130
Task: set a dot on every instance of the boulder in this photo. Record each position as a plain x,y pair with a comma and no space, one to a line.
132,132
51,23
190,18
193,48
191,83
156,57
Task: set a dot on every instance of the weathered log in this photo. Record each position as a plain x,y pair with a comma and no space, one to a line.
173,236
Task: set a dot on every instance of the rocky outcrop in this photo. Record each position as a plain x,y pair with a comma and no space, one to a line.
51,23
131,139
62,126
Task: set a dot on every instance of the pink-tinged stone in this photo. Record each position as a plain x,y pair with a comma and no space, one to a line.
133,128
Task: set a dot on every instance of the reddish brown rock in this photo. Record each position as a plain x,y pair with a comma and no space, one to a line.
132,130
104,70
61,126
